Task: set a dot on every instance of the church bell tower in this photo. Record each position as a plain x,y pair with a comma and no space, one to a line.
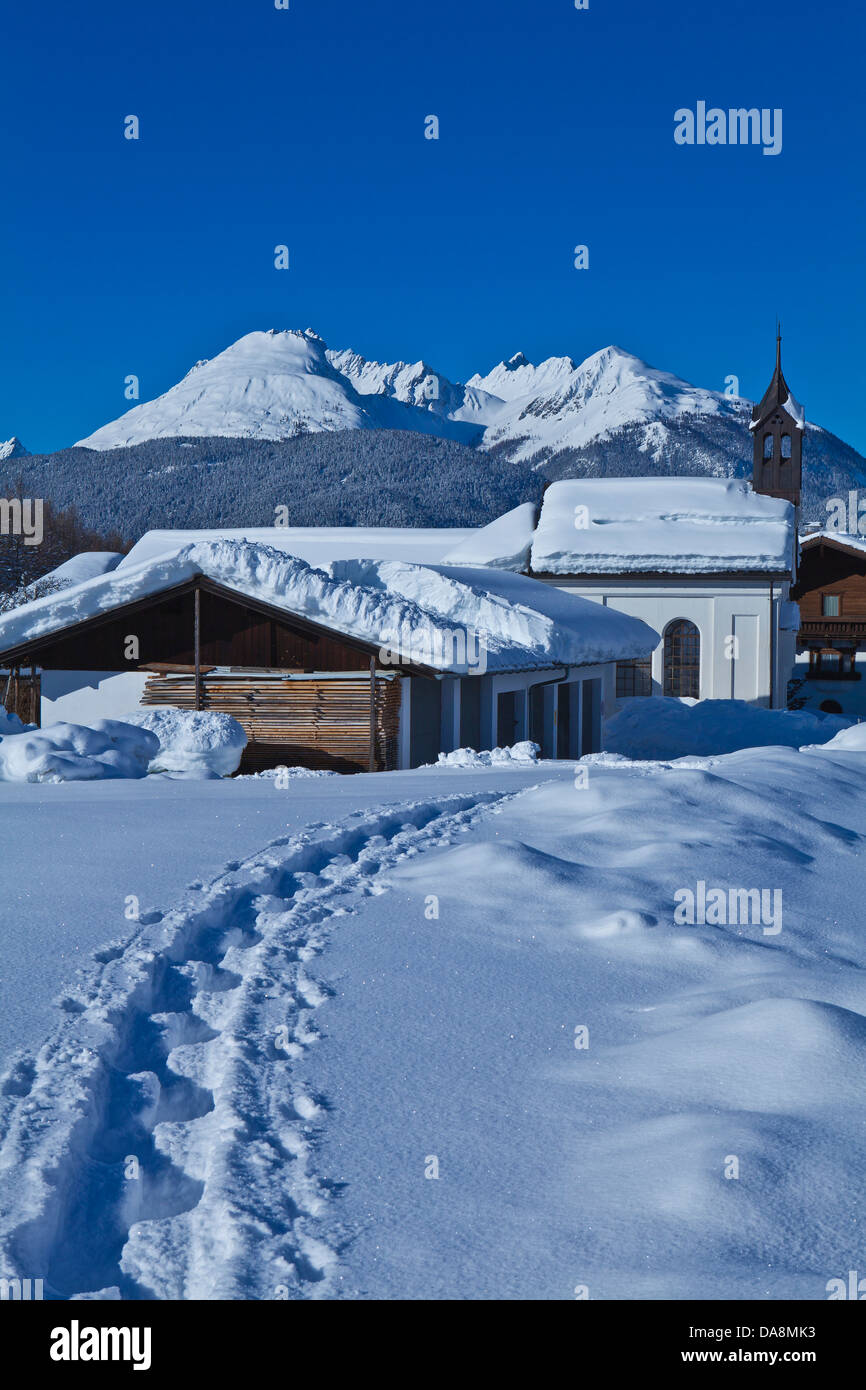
778,426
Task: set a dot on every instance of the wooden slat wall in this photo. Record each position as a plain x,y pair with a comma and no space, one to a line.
316,723
22,696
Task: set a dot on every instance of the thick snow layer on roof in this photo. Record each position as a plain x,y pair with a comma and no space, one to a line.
666,525
85,566
319,544
503,544
415,612
840,537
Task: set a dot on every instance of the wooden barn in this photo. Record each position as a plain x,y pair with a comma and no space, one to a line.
318,668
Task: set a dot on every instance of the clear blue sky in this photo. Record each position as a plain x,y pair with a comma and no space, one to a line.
306,127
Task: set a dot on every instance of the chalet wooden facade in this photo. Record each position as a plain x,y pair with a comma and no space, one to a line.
831,592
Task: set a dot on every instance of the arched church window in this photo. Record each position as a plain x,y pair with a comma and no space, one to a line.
682,659
786,446
768,446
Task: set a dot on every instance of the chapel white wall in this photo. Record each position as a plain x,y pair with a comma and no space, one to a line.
720,613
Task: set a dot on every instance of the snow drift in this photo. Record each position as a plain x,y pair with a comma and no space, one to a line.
656,727
850,740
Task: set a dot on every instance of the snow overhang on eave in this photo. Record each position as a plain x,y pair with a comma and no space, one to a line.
21,653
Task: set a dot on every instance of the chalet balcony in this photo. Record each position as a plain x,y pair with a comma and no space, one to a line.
850,628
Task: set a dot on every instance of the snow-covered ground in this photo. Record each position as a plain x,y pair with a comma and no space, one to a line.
342,1053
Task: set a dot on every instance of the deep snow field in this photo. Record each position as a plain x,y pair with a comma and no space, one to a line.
340,1053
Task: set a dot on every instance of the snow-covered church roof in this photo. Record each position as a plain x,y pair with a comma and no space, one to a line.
662,526
413,611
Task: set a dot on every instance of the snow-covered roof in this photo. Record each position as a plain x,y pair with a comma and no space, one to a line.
662,525
85,565
842,538
792,407
418,613
318,544
503,544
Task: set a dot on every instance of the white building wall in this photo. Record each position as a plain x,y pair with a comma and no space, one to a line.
79,697
721,611
491,686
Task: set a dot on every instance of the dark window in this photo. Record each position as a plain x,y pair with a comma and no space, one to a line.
590,738
470,712
786,446
830,707
506,719
682,659
633,678
768,446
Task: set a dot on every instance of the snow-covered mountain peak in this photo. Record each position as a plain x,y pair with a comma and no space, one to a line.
277,383
13,449
518,377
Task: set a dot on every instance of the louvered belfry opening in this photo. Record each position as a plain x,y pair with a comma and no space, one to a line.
321,721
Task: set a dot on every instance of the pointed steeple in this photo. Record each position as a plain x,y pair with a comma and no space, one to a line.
777,427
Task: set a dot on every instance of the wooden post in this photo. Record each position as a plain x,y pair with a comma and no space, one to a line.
372,714
197,648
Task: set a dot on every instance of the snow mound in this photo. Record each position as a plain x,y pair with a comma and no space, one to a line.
9,723
193,742
657,727
850,740
74,753
520,755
